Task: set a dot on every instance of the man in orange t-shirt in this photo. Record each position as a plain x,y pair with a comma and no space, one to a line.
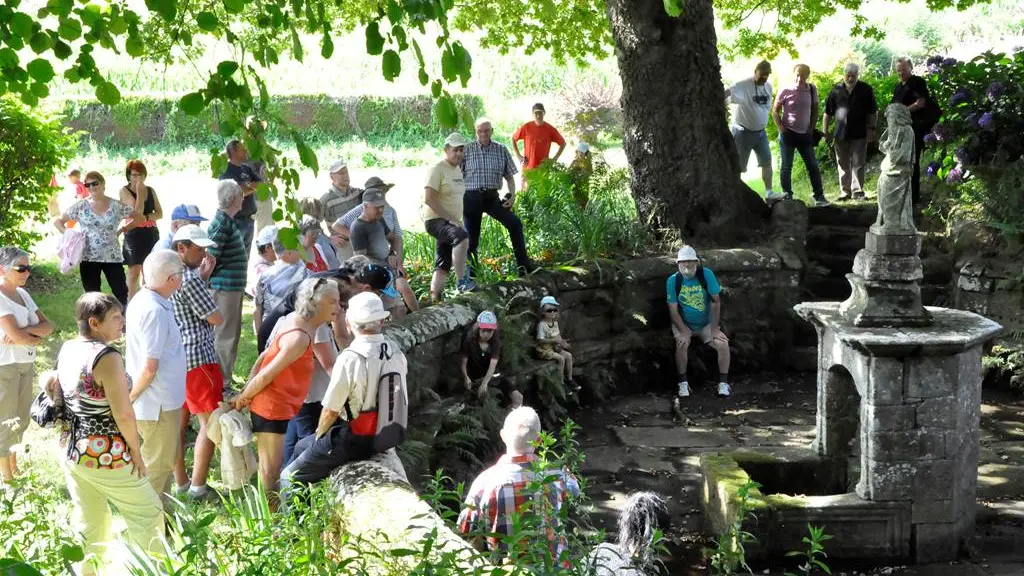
538,136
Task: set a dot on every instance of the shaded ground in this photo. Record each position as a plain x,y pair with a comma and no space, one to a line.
639,443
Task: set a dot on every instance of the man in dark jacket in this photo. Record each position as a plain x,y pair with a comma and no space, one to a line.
912,92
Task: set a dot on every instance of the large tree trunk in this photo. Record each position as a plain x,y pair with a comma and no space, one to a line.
684,166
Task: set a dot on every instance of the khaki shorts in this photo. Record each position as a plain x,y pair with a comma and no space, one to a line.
17,391
703,335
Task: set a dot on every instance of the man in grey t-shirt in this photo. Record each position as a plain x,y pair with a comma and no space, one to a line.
371,237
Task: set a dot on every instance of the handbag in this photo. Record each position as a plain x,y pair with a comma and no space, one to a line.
48,408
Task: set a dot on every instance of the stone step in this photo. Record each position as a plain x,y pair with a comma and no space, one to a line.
838,215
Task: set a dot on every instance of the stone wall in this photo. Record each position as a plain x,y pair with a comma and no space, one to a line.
993,288
614,315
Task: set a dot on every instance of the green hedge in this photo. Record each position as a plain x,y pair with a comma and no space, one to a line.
137,121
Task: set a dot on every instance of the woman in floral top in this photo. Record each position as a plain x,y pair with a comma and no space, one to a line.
102,219
103,465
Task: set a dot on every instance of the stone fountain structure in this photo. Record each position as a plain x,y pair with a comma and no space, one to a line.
899,399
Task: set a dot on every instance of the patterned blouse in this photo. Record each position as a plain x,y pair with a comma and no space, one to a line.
102,244
92,438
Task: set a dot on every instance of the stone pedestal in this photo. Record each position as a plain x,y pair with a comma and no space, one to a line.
885,280
906,402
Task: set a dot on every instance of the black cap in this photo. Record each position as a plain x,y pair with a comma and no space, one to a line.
377,277
538,106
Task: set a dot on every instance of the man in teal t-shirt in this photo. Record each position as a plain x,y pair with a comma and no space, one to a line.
695,308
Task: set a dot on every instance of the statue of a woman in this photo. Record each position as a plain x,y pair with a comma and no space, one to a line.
895,207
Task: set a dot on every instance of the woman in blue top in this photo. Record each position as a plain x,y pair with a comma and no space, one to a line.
695,308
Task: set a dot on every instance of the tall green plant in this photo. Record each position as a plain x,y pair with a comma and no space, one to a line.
729,555
33,147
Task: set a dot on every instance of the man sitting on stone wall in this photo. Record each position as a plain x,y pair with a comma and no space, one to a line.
695,308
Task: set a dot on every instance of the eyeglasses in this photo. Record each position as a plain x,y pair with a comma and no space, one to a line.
92,184
22,268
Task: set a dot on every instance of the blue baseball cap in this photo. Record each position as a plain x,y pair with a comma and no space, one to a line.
187,212
549,301
487,320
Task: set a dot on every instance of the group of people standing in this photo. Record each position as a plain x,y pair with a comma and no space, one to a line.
850,114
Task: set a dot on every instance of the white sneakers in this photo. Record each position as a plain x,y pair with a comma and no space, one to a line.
684,389
772,196
724,389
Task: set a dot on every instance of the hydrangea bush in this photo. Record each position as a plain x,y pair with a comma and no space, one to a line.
978,145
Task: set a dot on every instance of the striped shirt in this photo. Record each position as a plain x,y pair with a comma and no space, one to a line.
192,306
497,496
337,203
486,167
229,273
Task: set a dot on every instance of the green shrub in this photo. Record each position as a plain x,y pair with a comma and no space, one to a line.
33,148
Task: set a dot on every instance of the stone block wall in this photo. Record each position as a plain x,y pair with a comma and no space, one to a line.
615,316
994,289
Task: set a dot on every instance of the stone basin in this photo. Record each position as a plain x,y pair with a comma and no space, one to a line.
798,491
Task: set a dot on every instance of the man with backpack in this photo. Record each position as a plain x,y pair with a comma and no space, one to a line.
367,392
695,309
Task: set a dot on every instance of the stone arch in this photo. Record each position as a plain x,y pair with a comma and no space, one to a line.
839,422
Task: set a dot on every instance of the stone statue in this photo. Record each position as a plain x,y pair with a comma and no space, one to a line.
895,208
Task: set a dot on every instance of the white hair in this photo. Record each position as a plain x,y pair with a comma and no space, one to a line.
9,256
226,192
160,265
310,293
375,327
521,429
482,120
906,60
851,67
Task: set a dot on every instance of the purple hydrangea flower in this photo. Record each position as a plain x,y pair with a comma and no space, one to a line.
972,119
948,62
961,155
960,96
934,69
937,59
955,176
929,138
987,121
933,169
995,90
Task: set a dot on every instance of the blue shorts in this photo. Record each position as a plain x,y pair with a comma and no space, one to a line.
756,140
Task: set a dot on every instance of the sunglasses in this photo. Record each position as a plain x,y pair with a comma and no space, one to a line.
92,184
21,268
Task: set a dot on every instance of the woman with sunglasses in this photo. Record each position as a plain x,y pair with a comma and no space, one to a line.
22,327
281,377
102,219
141,236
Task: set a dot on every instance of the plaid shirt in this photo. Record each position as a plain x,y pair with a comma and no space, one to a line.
192,306
485,167
501,490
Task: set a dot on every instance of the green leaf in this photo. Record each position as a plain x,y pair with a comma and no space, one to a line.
423,77
168,9
40,70
72,553
40,90
17,568
447,112
8,58
392,65
69,29
326,46
91,14
674,8
296,45
21,25
227,68
218,163
118,25
134,47
394,11
61,50
192,103
306,154
289,237
40,42
234,6
435,88
108,94
374,41
207,21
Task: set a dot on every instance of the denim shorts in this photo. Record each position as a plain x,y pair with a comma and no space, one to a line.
756,140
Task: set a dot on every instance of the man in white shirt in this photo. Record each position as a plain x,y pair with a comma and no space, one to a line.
753,99
353,390
155,361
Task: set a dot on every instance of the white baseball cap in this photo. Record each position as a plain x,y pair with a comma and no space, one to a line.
193,234
687,254
266,235
583,148
337,166
366,307
455,140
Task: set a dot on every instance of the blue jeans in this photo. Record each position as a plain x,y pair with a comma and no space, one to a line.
804,144
302,425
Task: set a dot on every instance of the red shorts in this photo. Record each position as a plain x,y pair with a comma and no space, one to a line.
204,388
